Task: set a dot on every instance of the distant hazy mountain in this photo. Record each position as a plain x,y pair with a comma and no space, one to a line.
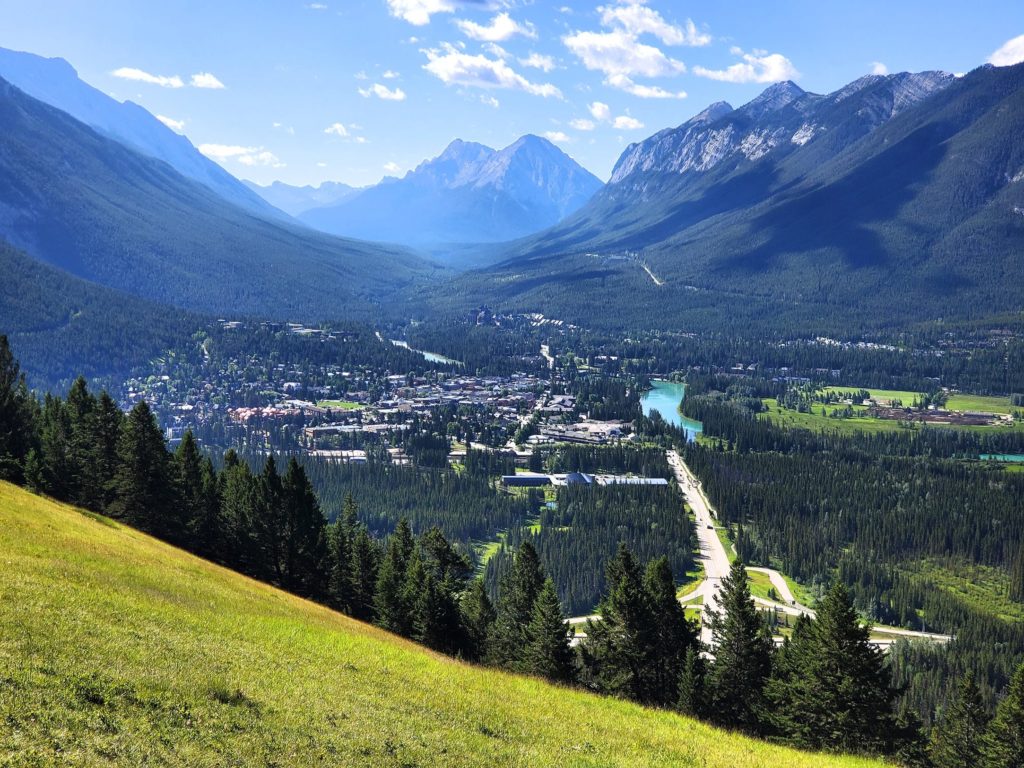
56,83
87,204
468,194
297,200
895,198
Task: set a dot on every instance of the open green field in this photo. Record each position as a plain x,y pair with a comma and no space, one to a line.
116,649
339,405
980,586
814,421
982,403
905,396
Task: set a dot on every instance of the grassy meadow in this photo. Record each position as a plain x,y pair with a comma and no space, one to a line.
116,649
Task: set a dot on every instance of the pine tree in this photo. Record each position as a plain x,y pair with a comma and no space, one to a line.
239,492
363,575
547,652
188,476
1003,744
106,430
304,533
141,487
18,412
956,741
619,654
516,596
839,694
392,609
59,473
674,634
743,655
80,408
692,695
268,524
478,617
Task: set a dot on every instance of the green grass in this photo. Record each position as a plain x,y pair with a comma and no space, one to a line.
117,650
340,405
760,583
723,536
961,402
905,396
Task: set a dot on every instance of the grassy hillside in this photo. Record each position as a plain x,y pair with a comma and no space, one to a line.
116,649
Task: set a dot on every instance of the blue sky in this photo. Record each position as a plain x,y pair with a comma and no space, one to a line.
350,90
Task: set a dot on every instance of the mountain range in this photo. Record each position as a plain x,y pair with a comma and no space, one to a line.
55,82
470,193
895,199
94,207
297,200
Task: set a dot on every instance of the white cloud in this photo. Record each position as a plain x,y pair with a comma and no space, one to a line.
627,123
418,12
390,74
131,73
582,124
496,51
454,67
205,80
337,129
392,167
637,19
538,61
756,67
317,6
643,91
878,68
174,125
558,137
321,165
490,101
620,53
501,28
382,92
249,156
1009,53
600,111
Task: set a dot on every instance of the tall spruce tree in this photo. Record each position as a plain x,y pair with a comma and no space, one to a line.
620,655
18,411
268,524
106,430
743,656
188,476
363,575
142,488
304,532
692,699
478,617
516,595
80,407
840,694
674,635
956,741
1003,744
547,652
391,601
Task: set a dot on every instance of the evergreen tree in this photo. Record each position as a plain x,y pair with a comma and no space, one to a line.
188,476
238,506
17,416
305,546
692,694
106,430
839,694
59,473
268,523
1003,744
141,487
393,611
547,652
956,741
743,656
516,596
478,617
363,575
619,654
674,634
80,407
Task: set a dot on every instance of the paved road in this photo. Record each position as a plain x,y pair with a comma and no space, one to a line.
712,552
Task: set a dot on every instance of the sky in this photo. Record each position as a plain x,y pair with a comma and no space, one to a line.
306,91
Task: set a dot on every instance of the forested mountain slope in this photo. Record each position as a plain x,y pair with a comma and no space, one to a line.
61,325
891,201
116,649
55,82
89,205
